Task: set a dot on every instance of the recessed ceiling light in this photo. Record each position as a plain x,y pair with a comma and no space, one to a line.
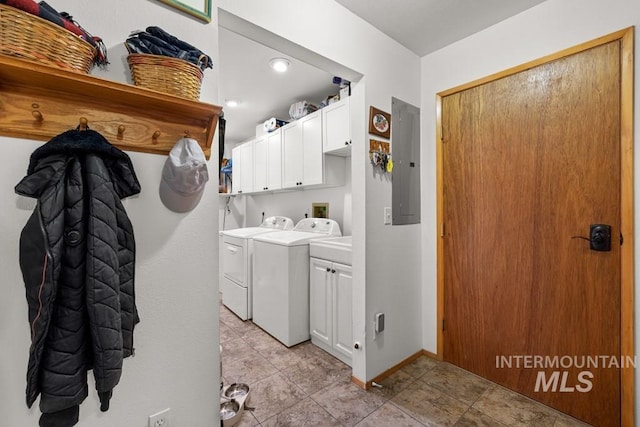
279,64
231,103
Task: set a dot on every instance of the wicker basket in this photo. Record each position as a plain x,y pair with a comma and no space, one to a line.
166,74
30,37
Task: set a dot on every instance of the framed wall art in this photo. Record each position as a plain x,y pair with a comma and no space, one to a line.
379,122
201,9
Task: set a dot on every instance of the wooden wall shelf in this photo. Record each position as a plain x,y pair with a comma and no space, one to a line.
40,102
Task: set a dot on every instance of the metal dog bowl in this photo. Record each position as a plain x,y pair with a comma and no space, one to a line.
236,391
229,409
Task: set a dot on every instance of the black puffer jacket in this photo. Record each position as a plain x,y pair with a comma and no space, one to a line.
77,254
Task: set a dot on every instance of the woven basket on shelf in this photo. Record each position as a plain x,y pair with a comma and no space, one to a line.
166,74
30,37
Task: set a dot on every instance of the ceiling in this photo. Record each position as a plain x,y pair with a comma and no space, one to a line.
425,26
261,92
422,26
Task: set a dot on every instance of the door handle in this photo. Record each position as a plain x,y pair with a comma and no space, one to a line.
599,237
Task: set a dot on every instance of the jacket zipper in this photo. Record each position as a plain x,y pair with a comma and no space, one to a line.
45,263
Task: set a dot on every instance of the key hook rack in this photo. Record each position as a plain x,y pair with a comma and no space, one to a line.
379,154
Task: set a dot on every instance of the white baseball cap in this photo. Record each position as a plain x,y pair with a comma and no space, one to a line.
184,176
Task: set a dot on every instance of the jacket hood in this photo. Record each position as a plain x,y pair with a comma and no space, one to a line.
48,161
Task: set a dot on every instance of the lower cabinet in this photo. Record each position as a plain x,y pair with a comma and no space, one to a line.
330,308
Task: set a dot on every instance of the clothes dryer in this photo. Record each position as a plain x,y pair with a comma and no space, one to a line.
236,255
281,279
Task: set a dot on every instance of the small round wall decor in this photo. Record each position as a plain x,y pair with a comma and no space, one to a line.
379,122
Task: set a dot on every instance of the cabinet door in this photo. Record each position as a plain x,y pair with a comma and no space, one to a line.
247,167
336,127
274,160
292,155
342,309
236,174
261,165
313,157
320,295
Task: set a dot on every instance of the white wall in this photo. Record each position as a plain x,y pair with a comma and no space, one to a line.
386,259
547,28
176,362
246,210
295,204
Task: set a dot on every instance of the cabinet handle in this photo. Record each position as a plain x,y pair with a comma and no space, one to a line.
328,269
346,143
333,271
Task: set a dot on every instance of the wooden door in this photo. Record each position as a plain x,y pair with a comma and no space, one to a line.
529,161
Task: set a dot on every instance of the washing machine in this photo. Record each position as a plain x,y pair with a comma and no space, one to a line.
281,279
236,255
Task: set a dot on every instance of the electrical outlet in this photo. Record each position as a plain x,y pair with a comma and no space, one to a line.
387,216
161,419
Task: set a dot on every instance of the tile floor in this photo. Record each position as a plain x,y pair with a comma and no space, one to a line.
305,386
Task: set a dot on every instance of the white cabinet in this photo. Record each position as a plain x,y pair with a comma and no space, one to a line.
236,170
260,165
336,128
267,152
331,325
242,161
246,160
303,160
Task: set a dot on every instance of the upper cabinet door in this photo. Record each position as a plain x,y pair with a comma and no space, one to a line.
274,160
261,165
246,157
292,155
236,158
313,171
336,122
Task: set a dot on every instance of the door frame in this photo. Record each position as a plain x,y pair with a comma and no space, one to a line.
625,36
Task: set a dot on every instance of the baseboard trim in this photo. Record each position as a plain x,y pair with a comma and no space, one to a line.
359,383
431,355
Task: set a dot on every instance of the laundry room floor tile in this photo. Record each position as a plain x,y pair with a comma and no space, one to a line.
456,382
306,386
347,402
389,415
305,413
248,369
273,395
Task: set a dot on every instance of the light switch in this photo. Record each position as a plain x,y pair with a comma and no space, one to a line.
387,216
